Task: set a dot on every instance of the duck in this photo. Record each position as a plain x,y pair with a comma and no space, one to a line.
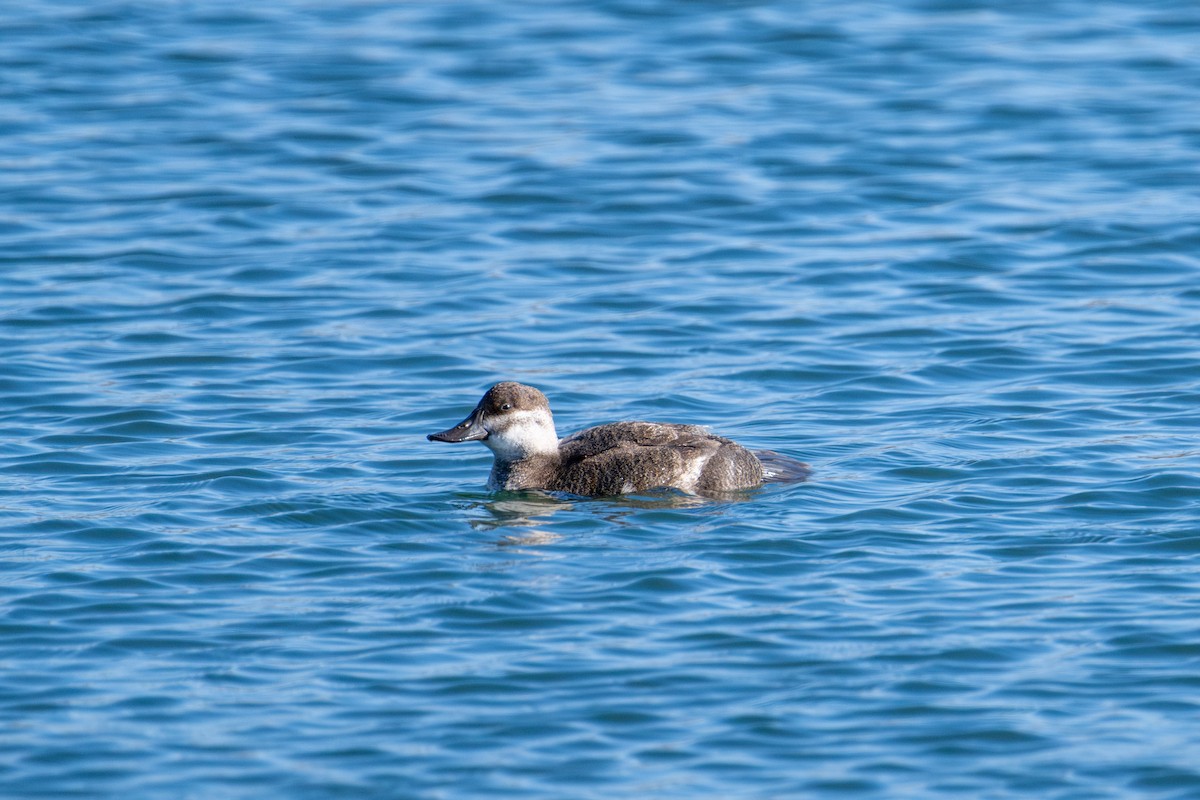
513,420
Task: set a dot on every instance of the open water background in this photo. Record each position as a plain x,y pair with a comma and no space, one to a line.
944,250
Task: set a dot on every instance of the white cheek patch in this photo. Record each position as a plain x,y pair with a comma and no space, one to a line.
519,433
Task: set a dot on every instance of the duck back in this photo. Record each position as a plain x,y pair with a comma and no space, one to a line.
625,457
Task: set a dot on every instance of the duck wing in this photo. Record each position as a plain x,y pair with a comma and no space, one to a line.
625,457
591,442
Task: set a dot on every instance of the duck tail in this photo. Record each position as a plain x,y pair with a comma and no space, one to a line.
782,469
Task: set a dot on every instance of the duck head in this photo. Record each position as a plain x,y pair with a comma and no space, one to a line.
513,420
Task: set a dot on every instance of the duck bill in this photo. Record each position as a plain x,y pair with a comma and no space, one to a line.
469,430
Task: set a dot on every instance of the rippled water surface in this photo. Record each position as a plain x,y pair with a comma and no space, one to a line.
943,250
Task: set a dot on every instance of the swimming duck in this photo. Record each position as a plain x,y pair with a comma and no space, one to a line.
514,421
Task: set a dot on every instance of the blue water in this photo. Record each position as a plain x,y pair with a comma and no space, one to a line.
946,251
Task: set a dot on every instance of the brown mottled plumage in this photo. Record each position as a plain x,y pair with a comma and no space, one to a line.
514,421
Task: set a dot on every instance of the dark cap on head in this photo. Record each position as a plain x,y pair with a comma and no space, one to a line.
500,399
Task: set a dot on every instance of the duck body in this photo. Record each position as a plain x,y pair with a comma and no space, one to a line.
514,422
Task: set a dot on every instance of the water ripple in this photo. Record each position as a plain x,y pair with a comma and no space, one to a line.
944,252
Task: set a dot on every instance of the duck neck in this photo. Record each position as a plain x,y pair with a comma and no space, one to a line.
532,471
525,450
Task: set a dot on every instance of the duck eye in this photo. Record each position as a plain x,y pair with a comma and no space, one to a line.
506,407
